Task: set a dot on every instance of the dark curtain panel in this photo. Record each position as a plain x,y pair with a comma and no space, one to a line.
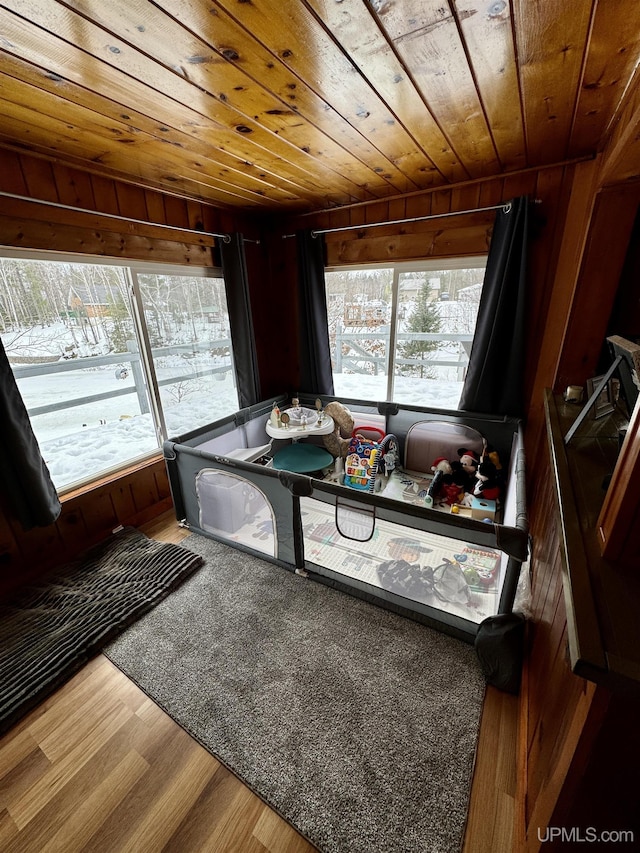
496,365
234,270
24,477
315,356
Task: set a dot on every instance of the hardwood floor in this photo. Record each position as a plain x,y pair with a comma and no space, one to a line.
98,767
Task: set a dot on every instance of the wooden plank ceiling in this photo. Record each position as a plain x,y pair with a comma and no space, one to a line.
295,105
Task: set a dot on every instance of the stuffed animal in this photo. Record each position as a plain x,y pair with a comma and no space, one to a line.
450,491
447,485
468,460
469,465
441,464
460,477
488,485
492,454
337,442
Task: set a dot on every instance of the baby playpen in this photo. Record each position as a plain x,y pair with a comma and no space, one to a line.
450,566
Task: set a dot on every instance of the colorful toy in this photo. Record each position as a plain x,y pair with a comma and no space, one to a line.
367,460
448,483
358,466
483,509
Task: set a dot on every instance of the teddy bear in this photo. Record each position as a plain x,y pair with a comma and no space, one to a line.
337,442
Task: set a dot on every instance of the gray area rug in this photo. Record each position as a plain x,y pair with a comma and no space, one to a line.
51,629
358,726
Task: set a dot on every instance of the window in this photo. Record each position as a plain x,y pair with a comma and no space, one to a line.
111,360
403,332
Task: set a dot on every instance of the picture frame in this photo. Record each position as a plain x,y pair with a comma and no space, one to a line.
627,355
605,402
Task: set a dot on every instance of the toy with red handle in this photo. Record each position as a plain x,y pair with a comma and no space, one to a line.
364,432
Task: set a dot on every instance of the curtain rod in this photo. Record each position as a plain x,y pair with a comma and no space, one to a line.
225,237
506,206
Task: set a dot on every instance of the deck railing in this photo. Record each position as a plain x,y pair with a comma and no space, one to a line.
379,363
129,361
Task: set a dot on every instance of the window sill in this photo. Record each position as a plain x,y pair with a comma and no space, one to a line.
75,492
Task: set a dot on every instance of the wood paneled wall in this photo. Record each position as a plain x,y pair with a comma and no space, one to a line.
87,517
447,237
25,224
622,161
563,716
555,703
141,493
579,747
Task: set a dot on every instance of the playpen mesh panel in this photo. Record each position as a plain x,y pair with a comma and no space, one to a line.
428,440
233,508
448,574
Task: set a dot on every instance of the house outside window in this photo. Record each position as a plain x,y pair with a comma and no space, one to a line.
111,359
403,332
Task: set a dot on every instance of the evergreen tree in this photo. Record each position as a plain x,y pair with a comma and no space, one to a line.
122,328
424,318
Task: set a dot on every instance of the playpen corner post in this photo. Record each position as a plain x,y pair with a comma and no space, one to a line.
299,485
298,534
510,585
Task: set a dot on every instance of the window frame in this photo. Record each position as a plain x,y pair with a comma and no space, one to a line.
399,267
131,269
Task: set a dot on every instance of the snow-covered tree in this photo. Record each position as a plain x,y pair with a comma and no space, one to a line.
424,318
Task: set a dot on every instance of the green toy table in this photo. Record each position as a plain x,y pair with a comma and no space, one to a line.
302,458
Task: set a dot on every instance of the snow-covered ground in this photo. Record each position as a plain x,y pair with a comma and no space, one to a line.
74,452
81,451
81,441
432,393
